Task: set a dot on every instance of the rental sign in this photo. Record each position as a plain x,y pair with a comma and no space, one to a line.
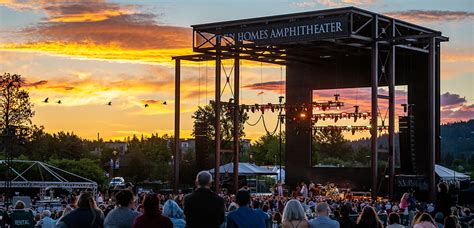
288,32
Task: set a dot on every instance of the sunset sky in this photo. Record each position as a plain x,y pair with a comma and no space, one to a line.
87,53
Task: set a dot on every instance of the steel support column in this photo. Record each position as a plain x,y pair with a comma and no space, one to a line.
217,113
431,117
373,129
177,99
236,122
391,115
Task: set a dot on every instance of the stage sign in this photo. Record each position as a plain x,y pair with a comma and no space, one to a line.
412,181
288,32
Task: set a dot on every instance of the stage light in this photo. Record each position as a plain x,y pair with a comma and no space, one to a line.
303,115
356,108
317,108
336,97
338,107
335,119
405,107
253,109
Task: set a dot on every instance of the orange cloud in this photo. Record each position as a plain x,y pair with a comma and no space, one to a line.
99,30
90,12
431,15
92,50
331,3
271,85
71,10
457,57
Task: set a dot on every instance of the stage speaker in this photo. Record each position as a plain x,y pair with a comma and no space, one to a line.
202,146
407,144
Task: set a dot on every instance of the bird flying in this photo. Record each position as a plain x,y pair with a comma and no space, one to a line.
46,100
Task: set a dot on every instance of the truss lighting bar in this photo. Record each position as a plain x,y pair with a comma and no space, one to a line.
286,107
352,129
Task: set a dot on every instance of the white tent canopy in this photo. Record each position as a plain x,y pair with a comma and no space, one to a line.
446,174
245,169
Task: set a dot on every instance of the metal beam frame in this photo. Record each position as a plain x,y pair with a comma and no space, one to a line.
386,35
177,144
217,125
374,111
391,115
236,122
432,117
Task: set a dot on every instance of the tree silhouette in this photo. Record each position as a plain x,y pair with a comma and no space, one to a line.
15,106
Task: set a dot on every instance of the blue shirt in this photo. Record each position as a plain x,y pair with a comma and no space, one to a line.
245,217
323,222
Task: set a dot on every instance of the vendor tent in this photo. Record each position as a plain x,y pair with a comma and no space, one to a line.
446,174
245,169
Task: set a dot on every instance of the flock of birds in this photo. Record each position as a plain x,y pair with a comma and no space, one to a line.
108,103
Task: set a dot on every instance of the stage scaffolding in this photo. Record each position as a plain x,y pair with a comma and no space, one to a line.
50,177
308,38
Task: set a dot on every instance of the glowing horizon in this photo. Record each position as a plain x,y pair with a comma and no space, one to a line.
119,51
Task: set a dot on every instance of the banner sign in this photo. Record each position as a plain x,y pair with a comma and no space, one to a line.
288,32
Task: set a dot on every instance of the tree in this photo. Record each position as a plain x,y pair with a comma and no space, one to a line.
266,150
15,106
206,114
330,144
84,167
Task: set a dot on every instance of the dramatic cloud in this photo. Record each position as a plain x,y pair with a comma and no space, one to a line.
450,99
331,3
91,11
35,84
100,30
462,114
271,86
431,15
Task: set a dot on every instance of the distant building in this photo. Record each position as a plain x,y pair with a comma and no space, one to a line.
188,145
245,144
121,147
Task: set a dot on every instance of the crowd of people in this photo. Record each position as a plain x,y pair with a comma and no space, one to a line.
204,208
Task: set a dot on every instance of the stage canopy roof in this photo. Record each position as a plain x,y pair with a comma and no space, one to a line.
245,169
36,174
446,174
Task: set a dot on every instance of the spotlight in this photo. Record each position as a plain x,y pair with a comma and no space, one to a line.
280,99
405,107
317,108
303,115
336,97
356,107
